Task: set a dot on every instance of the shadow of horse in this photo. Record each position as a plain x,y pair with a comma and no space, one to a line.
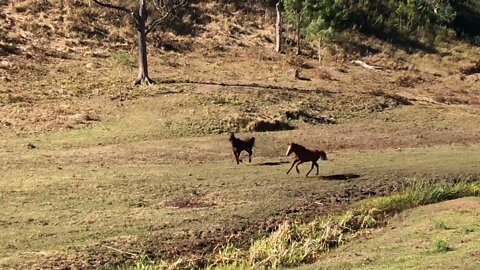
341,177
272,163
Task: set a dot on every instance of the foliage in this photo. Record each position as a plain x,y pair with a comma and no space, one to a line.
411,18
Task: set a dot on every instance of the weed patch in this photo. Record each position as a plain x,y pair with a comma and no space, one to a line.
122,60
442,246
439,225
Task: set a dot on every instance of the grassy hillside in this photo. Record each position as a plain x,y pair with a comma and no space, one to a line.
439,236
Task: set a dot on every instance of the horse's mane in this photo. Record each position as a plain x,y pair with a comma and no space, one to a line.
300,146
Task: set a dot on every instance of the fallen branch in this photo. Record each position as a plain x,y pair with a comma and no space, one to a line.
367,66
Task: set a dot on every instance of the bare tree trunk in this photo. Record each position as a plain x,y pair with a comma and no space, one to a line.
142,56
279,30
141,18
299,21
319,51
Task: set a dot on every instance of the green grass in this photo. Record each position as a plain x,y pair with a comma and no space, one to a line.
409,241
422,194
442,246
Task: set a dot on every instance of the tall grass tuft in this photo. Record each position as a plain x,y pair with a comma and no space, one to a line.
421,194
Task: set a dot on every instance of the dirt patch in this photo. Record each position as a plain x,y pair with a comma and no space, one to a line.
475,256
183,202
409,80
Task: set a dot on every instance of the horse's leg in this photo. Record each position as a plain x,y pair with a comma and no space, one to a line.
293,164
235,153
249,155
296,167
316,165
313,164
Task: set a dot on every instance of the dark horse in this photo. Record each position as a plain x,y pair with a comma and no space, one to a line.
238,146
303,154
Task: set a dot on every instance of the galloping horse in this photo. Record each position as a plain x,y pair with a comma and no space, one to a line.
238,146
303,154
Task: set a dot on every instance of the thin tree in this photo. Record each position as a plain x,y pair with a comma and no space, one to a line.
144,26
295,10
278,28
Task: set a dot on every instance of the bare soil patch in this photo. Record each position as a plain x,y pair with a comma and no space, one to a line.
183,202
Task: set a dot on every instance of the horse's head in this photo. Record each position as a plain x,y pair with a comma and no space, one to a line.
290,148
232,136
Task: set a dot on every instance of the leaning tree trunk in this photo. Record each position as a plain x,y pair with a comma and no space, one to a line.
278,33
141,18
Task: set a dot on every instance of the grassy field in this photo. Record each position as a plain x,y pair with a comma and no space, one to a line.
69,201
439,236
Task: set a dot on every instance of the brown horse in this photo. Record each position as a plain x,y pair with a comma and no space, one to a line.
238,146
303,154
